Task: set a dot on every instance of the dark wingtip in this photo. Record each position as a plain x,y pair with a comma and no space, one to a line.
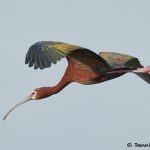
30,56
41,56
27,58
145,77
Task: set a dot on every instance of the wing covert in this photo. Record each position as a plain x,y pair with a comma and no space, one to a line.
117,60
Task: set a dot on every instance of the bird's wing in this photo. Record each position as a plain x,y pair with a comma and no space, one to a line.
42,54
117,60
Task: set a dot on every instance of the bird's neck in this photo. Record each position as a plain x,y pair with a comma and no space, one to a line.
62,84
57,88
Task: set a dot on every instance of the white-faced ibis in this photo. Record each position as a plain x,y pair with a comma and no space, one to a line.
84,66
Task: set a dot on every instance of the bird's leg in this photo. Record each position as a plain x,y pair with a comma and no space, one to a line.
142,70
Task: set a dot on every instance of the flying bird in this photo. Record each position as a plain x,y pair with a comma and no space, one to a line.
84,66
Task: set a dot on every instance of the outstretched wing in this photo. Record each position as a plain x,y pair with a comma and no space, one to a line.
43,54
117,60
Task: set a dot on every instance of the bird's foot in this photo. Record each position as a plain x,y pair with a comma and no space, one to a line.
143,70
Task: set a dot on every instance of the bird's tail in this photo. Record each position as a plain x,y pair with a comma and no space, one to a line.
117,60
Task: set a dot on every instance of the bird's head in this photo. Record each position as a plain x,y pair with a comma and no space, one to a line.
36,94
42,92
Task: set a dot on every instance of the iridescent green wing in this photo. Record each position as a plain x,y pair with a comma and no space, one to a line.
42,54
117,60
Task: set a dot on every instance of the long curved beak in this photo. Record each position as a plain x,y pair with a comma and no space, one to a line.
26,99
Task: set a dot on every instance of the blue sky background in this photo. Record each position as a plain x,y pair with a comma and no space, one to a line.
103,116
